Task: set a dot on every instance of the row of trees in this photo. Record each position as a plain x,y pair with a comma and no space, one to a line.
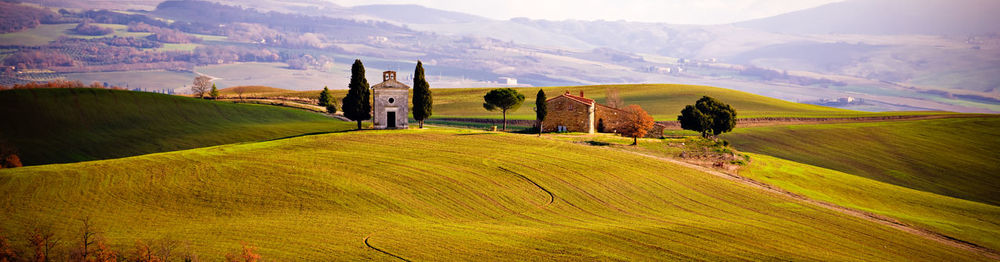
58,83
89,245
15,17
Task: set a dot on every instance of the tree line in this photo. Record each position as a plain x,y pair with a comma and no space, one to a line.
15,17
88,244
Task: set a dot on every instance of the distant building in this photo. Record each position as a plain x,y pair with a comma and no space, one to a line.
511,81
391,105
570,113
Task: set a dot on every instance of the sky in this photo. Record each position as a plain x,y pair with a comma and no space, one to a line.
662,11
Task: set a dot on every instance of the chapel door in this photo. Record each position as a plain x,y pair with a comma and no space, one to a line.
390,118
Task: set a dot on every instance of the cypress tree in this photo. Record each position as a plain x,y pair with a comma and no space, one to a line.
356,105
214,93
324,97
422,100
540,109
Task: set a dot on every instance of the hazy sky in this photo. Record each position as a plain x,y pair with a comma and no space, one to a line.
667,11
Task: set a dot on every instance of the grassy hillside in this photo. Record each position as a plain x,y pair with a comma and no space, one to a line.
963,219
421,195
663,101
70,125
953,157
966,220
252,90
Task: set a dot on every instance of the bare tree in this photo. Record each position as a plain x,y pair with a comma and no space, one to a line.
165,247
613,99
239,92
88,236
201,85
43,241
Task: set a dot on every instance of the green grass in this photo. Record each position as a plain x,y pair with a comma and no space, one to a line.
38,36
247,90
178,47
119,31
439,195
663,101
963,219
966,220
69,125
954,157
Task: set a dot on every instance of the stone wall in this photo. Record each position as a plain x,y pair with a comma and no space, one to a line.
563,111
609,118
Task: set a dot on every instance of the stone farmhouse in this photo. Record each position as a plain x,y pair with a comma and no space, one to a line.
570,113
391,104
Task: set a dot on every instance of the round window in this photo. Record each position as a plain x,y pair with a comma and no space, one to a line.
392,100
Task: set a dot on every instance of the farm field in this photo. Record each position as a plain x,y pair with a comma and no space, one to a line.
440,194
663,101
150,80
966,220
953,157
963,219
38,36
273,74
70,125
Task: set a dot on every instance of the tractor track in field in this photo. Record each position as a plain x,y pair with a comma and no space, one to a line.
880,219
552,198
383,251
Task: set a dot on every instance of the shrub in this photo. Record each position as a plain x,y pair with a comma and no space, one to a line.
86,28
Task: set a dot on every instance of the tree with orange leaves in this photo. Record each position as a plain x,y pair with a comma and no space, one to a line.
103,253
636,123
43,241
248,254
7,253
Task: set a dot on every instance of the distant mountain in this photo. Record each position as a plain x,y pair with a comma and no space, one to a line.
892,17
415,14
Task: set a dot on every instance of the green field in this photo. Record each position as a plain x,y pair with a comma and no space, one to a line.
440,195
70,125
247,90
954,157
38,36
663,101
966,220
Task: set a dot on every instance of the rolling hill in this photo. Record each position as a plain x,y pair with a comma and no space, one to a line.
966,220
440,195
663,101
251,90
70,125
953,157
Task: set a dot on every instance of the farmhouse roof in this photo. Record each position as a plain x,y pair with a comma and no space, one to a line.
574,98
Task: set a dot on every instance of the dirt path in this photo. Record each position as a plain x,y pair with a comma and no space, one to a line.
884,220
